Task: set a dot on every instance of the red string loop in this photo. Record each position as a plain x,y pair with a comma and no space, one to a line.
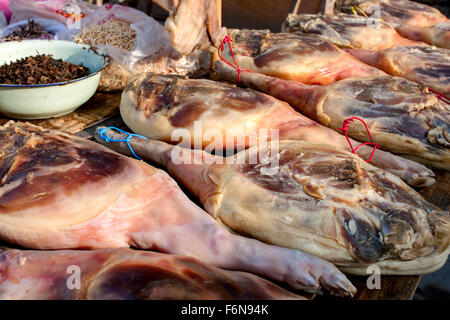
344,129
440,96
228,40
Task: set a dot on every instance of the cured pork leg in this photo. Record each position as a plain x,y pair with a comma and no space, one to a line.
216,116
412,20
123,274
306,58
63,192
429,66
312,197
192,24
402,116
347,31
396,12
437,35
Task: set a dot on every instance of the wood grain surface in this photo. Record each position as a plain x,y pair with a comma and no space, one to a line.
100,107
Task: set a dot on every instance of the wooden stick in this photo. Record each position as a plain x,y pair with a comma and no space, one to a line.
297,6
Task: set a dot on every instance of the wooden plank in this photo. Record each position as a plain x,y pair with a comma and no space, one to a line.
114,121
327,6
100,107
310,6
255,14
391,288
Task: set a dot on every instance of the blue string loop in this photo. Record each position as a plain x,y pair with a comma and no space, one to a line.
104,136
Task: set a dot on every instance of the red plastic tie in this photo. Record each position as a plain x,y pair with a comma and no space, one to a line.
344,129
440,96
228,40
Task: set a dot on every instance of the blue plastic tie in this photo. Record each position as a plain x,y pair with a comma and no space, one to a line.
104,136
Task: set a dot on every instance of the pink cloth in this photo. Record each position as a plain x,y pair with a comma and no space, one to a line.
4,6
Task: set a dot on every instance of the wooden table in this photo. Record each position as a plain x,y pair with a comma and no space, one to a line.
102,109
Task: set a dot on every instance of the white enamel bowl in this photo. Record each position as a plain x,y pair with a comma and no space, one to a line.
49,100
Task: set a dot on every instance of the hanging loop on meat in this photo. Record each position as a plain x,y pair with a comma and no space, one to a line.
104,136
344,129
228,40
440,96
403,116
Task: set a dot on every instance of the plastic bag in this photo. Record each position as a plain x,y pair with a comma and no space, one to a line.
151,43
53,27
194,65
151,37
3,21
68,12
4,8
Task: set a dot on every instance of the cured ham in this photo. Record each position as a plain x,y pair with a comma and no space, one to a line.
59,191
396,12
347,31
403,117
192,24
123,274
412,20
305,58
437,35
217,116
312,197
429,66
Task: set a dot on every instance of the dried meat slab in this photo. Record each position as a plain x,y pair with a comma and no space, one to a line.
403,117
312,197
429,66
437,35
396,12
347,31
59,191
305,58
412,20
124,274
192,24
213,115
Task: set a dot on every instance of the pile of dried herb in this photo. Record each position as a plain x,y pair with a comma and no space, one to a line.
40,69
32,30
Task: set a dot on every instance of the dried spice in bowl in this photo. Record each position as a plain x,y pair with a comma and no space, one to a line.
40,69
